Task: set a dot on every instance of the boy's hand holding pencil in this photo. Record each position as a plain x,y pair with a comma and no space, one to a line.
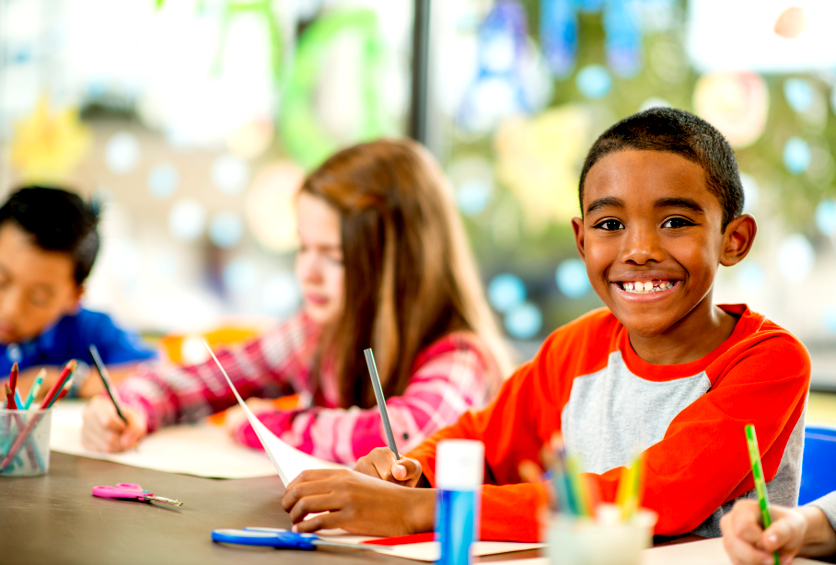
382,464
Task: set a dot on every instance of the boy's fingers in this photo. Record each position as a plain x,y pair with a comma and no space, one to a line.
744,553
312,505
745,521
326,521
406,469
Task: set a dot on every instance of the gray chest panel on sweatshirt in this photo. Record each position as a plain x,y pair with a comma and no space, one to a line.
613,414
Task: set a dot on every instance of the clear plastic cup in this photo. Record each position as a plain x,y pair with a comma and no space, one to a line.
24,442
573,541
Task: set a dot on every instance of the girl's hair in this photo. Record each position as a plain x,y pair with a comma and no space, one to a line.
410,277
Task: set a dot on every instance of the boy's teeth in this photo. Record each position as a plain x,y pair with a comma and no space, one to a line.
639,287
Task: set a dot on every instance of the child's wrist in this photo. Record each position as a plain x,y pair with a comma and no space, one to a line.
819,535
421,513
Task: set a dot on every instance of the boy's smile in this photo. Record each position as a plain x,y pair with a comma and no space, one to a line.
651,239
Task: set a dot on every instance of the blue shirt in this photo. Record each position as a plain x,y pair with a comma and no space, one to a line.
70,338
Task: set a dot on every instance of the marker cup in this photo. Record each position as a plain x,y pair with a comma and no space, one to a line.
24,442
578,541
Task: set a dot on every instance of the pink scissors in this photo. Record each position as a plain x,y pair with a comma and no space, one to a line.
131,490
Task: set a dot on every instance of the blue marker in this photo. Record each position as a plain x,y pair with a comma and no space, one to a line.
459,474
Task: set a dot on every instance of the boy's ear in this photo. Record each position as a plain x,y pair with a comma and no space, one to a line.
76,299
577,226
738,239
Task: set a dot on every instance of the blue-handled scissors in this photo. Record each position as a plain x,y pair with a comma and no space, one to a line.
278,538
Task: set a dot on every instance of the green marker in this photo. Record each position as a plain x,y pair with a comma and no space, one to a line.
760,484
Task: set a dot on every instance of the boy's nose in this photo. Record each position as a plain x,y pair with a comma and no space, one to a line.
641,246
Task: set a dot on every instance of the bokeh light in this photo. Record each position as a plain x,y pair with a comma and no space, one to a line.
751,192
281,295
594,81
572,279
799,94
506,291
187,219
473,180
226,229
654,102
826,217
270,206
829,318
230,174
737,104
750,277
797,155
163,179
122,152
240,275
795,258
523,321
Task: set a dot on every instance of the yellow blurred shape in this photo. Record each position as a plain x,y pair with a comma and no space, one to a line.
46,146
539,160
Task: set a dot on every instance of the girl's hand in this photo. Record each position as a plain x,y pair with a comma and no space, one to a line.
381,464
104,430
357,503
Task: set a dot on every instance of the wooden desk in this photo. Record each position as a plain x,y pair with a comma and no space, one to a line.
55,519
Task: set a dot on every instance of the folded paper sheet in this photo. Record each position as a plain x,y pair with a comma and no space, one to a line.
211,452
705,552
287,460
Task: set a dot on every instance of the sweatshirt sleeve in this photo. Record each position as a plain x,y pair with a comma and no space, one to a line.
513,428
827,504
268,366
450,377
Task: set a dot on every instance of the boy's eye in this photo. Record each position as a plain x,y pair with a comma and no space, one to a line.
677,223
609,225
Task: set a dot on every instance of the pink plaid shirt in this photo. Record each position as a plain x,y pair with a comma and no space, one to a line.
452,375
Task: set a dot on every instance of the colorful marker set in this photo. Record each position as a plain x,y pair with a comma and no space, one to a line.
19,427
576,495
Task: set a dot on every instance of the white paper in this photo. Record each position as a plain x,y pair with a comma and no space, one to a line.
430,551
704,552
293,461
203,450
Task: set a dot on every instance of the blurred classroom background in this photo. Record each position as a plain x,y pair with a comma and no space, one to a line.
194,121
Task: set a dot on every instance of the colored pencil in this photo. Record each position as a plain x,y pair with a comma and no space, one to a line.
108,384
757,475
13,377
381,401
59,384
10,398
36,388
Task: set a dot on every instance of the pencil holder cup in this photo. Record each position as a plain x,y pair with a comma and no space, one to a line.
579,541
24,442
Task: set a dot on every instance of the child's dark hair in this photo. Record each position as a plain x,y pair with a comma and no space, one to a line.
57,220
679,132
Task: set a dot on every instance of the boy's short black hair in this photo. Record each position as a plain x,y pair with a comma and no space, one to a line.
679,132
57,220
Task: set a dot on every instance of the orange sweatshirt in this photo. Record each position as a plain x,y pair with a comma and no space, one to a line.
587,381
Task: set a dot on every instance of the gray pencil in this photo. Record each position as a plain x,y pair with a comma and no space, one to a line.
381,402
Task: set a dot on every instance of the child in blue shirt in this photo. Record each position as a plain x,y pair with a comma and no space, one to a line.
48,243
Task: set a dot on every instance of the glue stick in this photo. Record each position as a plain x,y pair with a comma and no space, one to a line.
459,473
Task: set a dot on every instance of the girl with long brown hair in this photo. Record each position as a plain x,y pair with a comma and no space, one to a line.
383,263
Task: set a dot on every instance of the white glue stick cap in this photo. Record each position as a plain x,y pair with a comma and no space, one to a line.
460,464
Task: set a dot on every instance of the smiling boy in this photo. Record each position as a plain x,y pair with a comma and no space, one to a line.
661,369
48,244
